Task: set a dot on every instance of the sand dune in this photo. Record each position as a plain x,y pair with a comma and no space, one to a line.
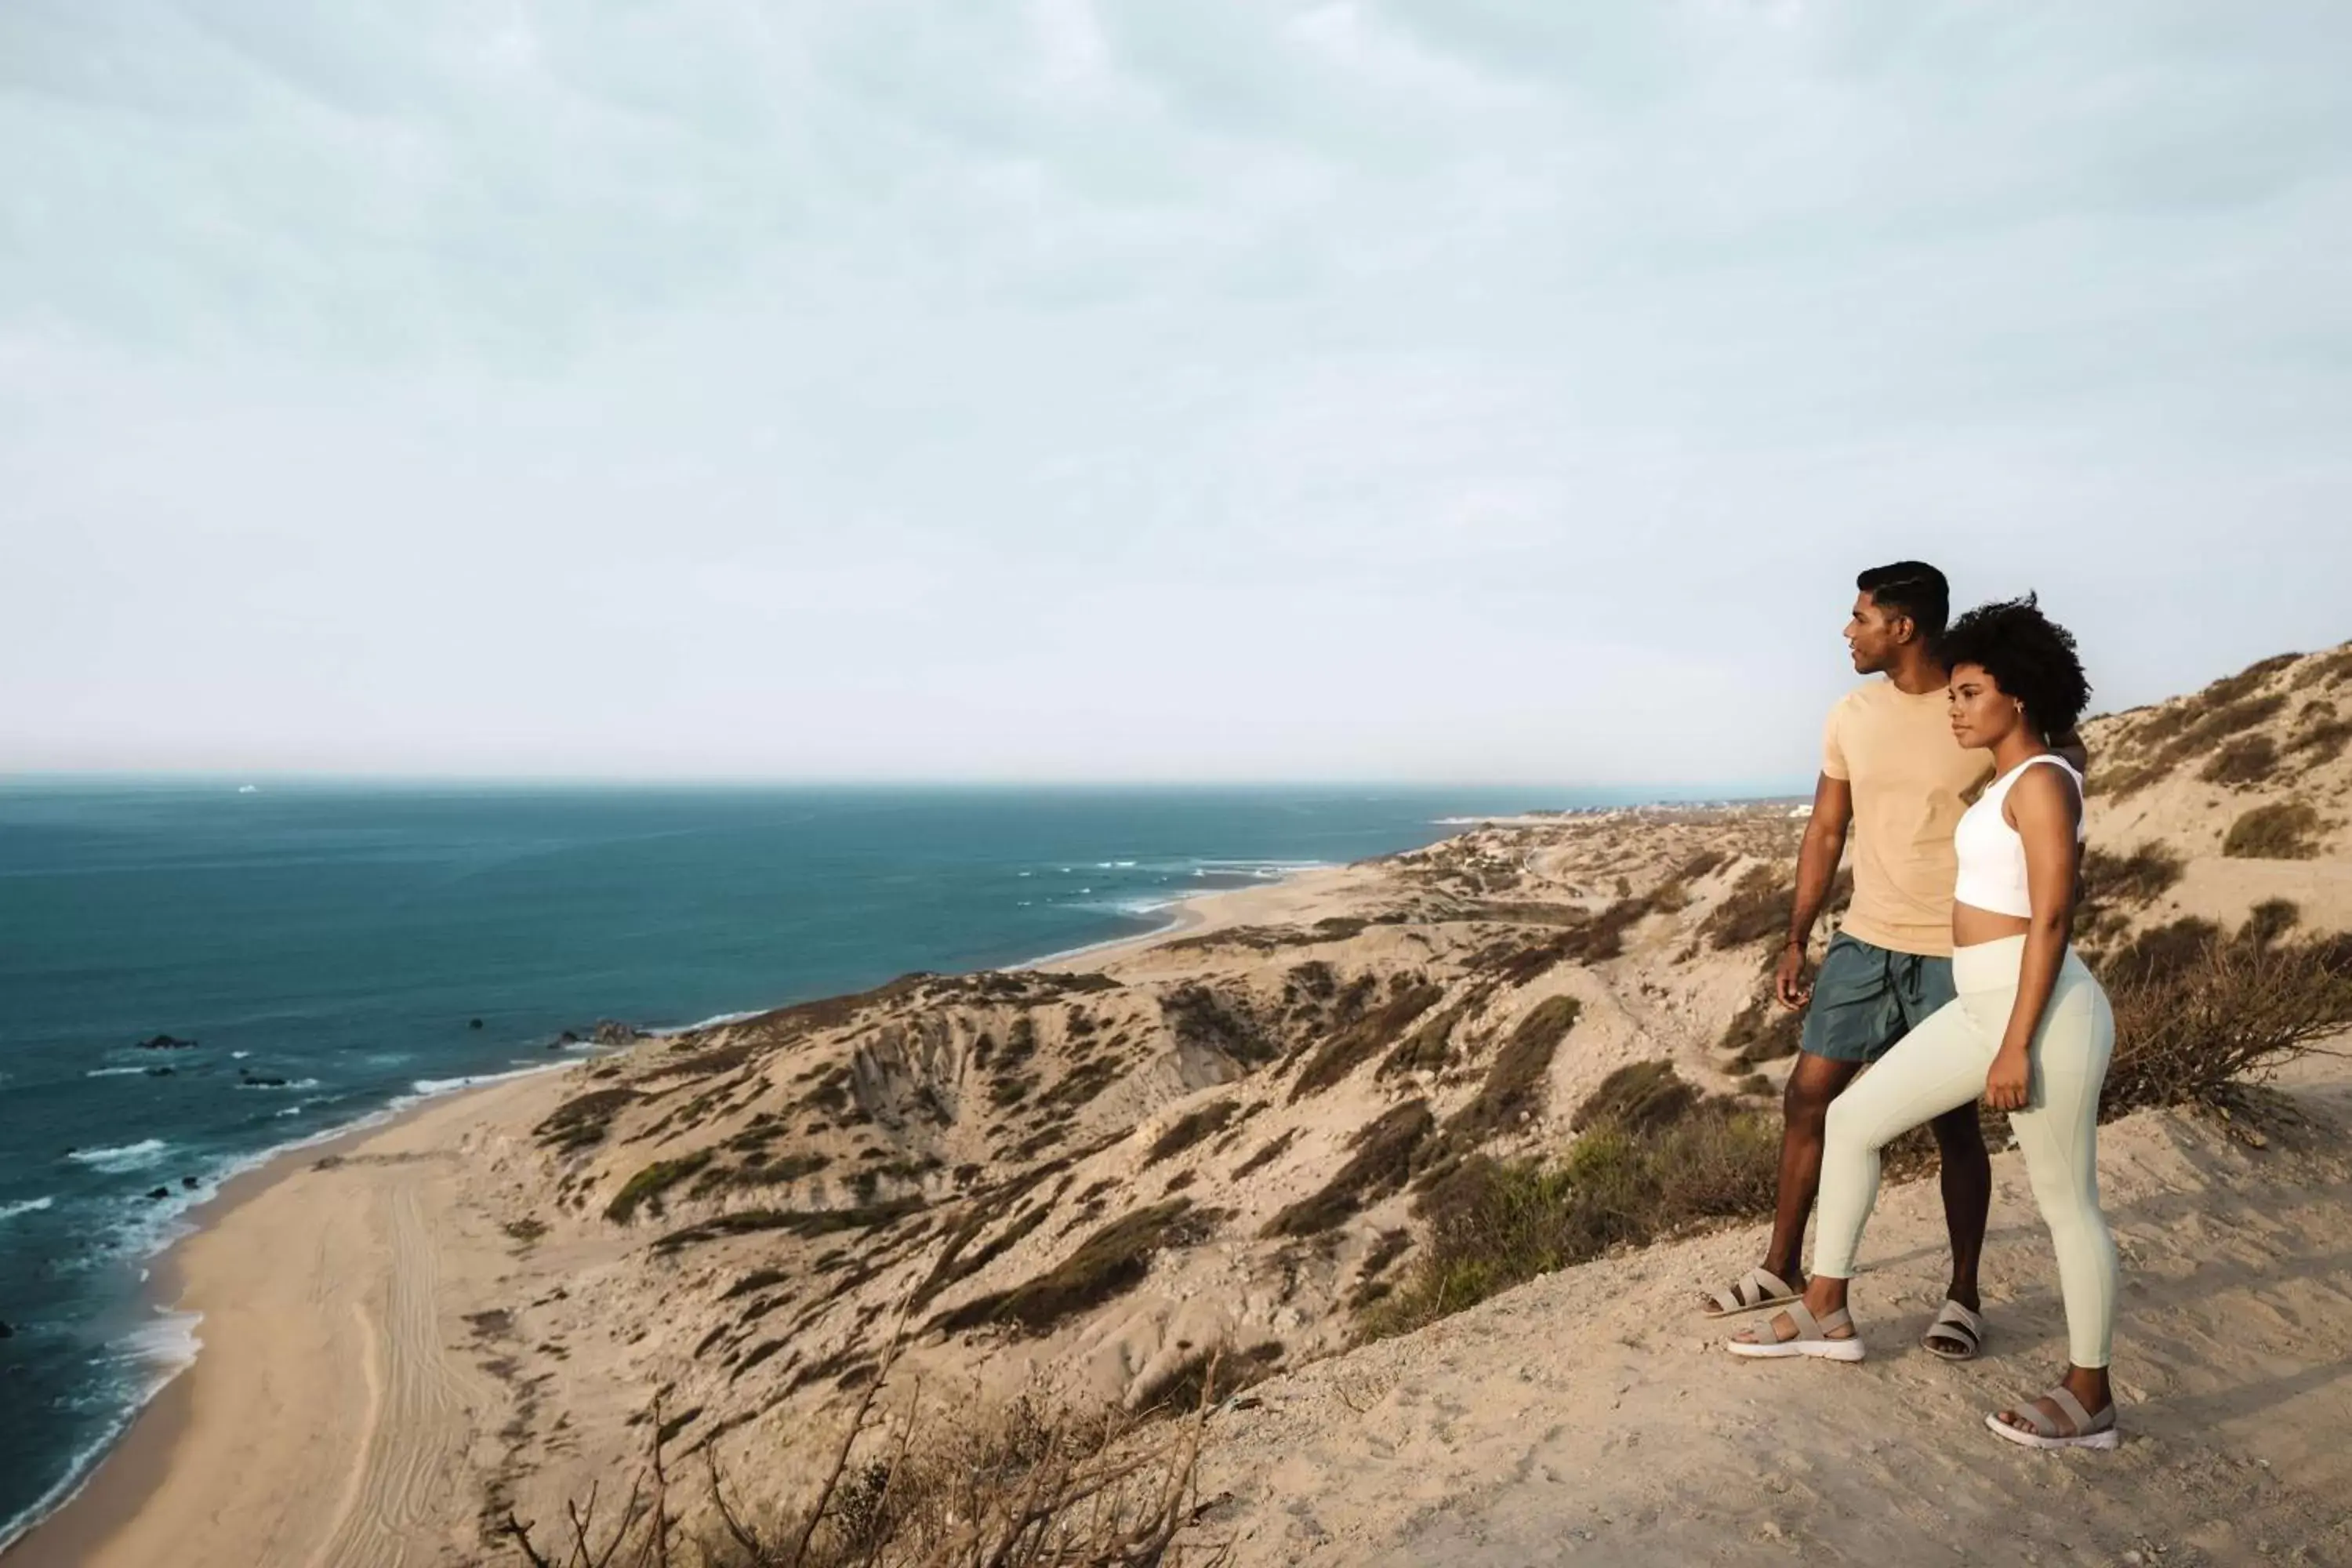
1590,1417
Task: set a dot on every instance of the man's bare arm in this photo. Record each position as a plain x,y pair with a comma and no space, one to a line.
1817,864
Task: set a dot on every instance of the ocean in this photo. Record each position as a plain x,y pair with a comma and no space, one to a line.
335,951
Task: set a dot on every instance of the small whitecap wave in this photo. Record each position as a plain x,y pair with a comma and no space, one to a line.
129,1157
30,1205
433,1088
114,1072
1122,865
286,1087
238,1055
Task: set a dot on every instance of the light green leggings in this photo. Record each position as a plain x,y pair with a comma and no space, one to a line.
1942,1064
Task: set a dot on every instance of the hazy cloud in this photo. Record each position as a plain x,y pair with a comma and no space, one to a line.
1490,388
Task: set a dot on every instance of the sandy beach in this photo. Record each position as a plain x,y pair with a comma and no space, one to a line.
329,1416
332,1414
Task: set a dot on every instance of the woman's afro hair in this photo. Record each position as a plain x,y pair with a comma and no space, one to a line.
2029,655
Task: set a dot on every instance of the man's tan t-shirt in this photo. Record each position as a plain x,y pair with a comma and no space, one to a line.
1911,782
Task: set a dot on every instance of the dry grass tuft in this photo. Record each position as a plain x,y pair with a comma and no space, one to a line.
2281,830
1016,1486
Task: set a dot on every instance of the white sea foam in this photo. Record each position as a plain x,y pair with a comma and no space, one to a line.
114,1072
30,1205
717,1020
238,1055
129,1157
288,1087
157,1353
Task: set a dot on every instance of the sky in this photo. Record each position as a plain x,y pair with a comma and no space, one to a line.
1443,390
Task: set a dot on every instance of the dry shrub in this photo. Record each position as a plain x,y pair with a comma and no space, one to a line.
1512,1090
1638,1097
1109,1263
1204,1017
1495,1223
1273,1150
645,1188
2237,688
581,1123
1764,1031
1188,1129
1021,1484
1430,1047
2195,1019
1384,1150
1758,907
2131,880
2322,743
1360,1041
2194,727
2326,670
2241,760
2280,831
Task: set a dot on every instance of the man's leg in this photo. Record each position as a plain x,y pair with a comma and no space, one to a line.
1925,986
1813,1082
1968,1199
1853,1015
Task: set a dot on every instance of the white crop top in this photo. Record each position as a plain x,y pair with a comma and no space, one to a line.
1992,853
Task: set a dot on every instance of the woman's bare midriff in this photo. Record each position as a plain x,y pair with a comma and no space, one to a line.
1971,925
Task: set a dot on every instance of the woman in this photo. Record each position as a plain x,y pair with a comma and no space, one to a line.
2031,1031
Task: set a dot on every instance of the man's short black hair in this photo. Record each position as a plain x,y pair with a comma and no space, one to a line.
2029,655
1911,588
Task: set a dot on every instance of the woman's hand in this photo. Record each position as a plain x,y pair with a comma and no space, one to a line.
2009,1080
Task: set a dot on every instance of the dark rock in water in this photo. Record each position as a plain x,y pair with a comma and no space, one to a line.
567,1038
250,1081
167,1043
189,1182
161,1193
161,1072
7,1332
612,1032
473,1023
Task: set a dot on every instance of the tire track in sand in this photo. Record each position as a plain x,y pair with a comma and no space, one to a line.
396,1509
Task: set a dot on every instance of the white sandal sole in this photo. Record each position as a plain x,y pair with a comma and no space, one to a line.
2110,1438
1817,1349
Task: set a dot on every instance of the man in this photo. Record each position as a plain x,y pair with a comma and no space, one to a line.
1891,773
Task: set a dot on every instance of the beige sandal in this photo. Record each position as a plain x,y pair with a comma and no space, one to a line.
2088,1431
1811,1338
1754,1291
1960,1326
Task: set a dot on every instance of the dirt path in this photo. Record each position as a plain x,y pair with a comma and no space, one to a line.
1591,1418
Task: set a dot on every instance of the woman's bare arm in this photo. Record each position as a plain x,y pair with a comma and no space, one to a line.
2045,809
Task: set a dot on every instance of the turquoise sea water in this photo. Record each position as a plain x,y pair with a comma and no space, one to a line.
329,948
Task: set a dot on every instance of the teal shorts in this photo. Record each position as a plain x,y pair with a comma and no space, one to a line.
1866,998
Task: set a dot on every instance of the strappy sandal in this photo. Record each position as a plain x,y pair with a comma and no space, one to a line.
1811,1339
1756,1289
1960,1326
2089,1431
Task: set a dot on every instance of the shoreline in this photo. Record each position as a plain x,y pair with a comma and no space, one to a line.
247,1410
108,1499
